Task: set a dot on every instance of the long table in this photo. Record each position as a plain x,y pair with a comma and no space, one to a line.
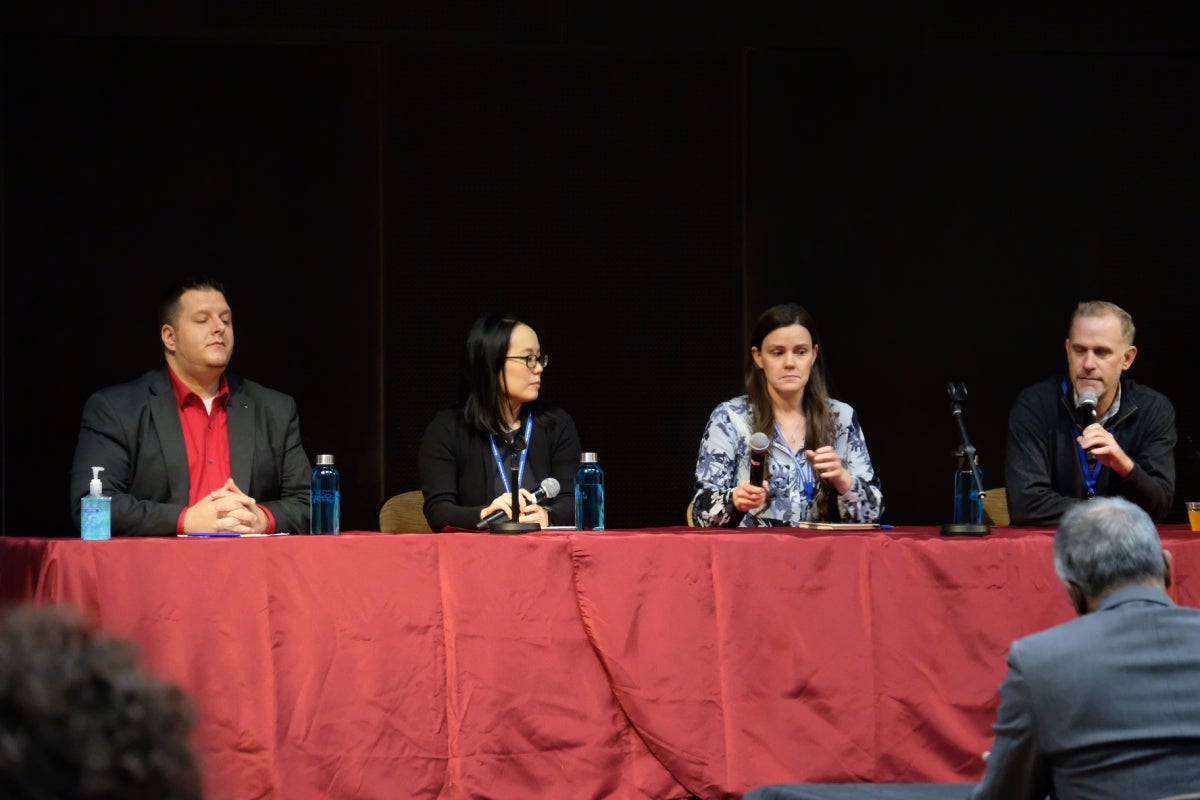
661,663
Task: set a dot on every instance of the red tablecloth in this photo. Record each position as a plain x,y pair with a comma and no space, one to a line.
622,664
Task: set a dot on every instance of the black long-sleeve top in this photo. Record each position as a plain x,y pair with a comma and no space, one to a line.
1043,474
459,475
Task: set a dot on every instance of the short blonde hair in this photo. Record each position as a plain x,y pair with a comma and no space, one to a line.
1102,308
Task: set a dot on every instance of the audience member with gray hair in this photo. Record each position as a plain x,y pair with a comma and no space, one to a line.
1104,546
1106,705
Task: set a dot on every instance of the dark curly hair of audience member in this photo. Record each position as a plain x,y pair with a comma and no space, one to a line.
80,719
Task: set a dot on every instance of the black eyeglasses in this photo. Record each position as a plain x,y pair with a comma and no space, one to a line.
532,361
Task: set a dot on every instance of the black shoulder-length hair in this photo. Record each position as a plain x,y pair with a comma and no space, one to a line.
481,373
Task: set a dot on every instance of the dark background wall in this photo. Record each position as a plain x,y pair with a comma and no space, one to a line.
368,179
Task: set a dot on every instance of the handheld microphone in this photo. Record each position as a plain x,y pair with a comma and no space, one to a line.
1087,407
548,489
1087,415
759,444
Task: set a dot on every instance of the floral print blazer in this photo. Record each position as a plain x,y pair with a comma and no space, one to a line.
724,462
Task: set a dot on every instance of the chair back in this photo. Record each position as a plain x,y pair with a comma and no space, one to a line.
995,506
404,513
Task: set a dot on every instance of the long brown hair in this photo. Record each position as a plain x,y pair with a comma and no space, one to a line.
819,422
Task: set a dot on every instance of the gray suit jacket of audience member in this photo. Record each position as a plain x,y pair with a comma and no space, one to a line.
133,431
1103,706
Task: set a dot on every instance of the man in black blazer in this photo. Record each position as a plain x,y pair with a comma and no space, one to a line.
189,447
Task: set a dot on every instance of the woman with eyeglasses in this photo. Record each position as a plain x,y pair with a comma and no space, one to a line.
815,464
468,451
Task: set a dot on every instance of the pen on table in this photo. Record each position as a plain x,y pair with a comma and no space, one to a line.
887,527
213,534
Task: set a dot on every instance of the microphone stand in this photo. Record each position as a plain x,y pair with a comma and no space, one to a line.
958,393
511,525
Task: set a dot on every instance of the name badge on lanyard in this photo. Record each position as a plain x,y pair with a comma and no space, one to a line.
524,454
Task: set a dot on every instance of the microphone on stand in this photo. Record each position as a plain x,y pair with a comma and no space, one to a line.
549,488
759,444
958,393
500,522
1087,415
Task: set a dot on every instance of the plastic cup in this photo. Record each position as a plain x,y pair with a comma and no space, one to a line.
1194,515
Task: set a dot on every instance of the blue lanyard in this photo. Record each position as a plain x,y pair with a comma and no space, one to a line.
1089,474
524,453
803,468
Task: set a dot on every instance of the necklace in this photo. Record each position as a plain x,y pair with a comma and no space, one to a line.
795,434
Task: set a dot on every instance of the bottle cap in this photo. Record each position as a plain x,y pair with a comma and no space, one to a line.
587,458
325,459
94,486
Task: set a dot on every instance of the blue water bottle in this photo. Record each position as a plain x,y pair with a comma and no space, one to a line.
968,506
589,494
326,502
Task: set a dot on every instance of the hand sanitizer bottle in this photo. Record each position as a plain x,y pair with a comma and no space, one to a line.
95,511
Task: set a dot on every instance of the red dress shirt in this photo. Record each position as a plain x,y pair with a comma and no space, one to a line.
206,436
